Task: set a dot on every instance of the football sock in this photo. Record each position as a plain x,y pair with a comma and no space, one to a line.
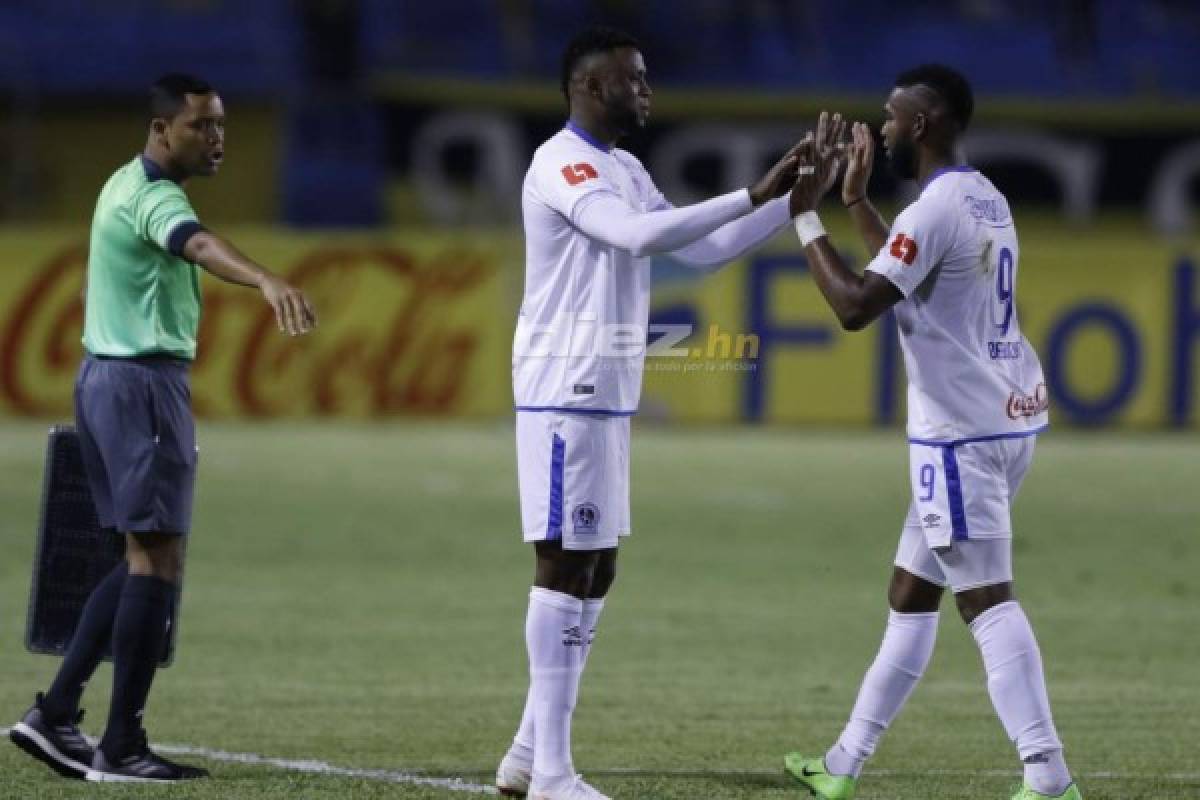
902,659
587,624
87,646
555,644
1018,690
138,635
523,742
1047,773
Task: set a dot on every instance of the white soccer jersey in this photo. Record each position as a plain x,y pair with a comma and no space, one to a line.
953,254
580,338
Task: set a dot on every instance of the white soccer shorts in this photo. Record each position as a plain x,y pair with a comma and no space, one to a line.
958,531
573,471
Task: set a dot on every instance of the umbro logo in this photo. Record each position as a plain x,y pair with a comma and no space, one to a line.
932,520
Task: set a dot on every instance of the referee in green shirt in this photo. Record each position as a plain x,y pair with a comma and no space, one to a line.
133,414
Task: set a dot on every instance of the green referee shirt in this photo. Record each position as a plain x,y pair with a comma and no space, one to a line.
143,297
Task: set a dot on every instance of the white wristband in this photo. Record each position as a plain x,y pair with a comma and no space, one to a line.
808,227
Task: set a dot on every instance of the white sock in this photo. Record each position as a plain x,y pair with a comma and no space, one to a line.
1018,689
903,655
555,644
522,746
587,624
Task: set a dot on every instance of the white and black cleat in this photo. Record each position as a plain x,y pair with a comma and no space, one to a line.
59,745
513,775
141,766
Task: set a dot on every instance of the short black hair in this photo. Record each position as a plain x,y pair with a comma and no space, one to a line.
597,39
169,93
949,83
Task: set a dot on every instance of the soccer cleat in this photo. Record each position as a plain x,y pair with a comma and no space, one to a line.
141,766
59,745
1026,793
569,789
513,775
812,774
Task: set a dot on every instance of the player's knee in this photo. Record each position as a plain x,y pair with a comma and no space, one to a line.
604,574
909,594
575,582
158,555
974,602
569,572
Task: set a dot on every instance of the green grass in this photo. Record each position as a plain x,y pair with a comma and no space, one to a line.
356,594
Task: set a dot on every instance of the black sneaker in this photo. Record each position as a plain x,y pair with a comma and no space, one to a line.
141,766
58,744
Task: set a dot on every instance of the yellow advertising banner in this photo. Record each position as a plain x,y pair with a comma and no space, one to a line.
421,324
408,325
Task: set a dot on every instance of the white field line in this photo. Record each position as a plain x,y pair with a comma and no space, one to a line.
416,778
315,767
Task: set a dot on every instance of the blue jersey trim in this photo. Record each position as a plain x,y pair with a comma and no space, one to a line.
587,137
973,439
937,173
958,514
598,412
554,517
178,238
153,171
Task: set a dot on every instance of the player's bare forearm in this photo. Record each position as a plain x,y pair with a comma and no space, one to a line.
870,224
293,311
219,257
857,300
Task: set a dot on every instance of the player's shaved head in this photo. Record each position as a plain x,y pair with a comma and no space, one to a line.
582,51
940,91
168,94
927,111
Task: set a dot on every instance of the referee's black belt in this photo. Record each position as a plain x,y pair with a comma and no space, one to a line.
146,358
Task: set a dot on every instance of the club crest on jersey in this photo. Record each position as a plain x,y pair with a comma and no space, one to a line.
904,248
578,173
1028,405
586,518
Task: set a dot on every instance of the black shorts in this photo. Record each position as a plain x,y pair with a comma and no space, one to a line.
138,441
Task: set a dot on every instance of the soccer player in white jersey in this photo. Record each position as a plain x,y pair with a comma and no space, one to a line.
593,217
976,400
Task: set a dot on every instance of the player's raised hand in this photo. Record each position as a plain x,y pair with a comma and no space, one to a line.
831,144
812,178
860,158
293,311
778,179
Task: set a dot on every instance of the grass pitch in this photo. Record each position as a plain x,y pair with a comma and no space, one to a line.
356,595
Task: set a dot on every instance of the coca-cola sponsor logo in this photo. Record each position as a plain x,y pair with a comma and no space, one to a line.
399,333
1028,405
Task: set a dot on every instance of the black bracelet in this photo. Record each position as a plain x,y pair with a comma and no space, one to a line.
855,202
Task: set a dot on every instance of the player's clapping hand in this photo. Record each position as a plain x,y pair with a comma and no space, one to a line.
819,162
859,160
293,311
831,145
778,179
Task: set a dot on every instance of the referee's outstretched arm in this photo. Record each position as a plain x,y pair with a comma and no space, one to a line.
293,310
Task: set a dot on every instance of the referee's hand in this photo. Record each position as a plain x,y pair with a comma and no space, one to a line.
293,311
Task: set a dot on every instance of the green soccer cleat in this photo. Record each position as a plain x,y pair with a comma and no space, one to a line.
811,773
1072,793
